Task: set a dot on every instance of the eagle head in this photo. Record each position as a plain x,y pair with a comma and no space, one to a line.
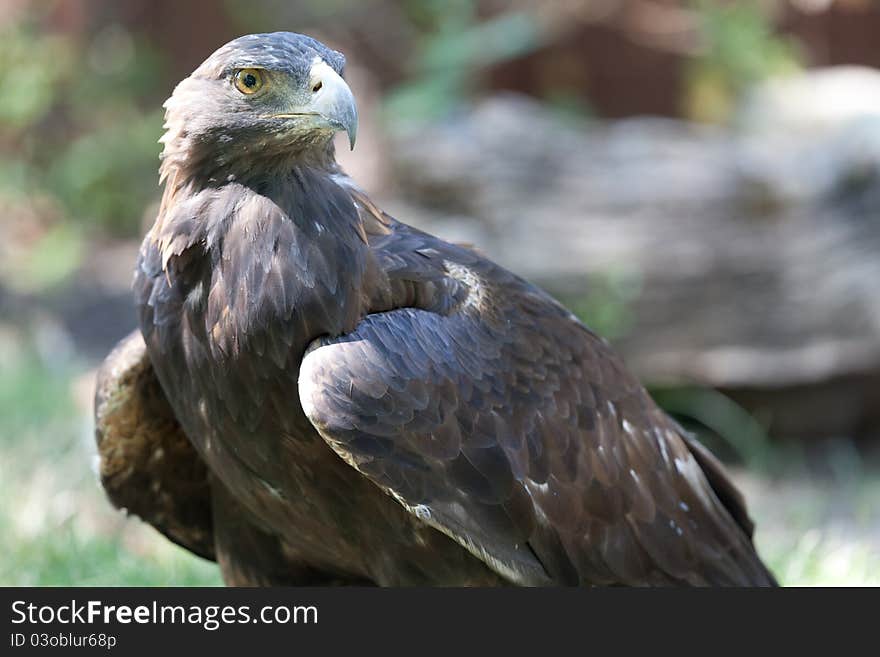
259,98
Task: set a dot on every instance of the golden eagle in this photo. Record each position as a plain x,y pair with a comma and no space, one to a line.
321,394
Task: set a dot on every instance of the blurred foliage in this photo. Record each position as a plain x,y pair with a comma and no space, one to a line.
49,262
741,49
722,424
455,46
607,304
79,123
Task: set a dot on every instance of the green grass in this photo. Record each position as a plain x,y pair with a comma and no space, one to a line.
56,527
63,557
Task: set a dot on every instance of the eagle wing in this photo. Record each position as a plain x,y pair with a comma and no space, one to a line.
496,417
147,465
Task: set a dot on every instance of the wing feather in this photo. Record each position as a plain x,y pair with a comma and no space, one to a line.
147,465
506,424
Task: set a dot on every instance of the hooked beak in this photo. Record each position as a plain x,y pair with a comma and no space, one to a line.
331,101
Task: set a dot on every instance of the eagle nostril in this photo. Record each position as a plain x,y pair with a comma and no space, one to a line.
317,87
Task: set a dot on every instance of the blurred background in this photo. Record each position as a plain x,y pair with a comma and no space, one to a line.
698,180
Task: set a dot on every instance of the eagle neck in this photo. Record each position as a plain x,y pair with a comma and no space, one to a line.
274,263
190,163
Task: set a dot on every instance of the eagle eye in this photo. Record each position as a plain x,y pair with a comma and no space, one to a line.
248,80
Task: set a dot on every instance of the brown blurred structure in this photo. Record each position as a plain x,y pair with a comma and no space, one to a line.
627,57
620,57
